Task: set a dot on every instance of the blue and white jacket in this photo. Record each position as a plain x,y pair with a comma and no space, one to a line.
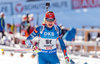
2,24
48,39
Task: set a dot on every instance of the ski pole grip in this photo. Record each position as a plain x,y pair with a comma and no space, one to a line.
47,5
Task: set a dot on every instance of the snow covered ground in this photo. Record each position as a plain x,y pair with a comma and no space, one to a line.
83,60
27,59
16,59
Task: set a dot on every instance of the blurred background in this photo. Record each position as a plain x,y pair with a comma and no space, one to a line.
19,18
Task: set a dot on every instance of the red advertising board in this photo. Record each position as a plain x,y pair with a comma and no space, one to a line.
77,4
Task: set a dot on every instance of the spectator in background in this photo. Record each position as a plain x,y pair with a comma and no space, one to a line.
29,19
2,24
23,23
26,27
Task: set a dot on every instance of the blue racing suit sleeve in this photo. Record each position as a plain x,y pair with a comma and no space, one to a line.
31,36
34,33
62,44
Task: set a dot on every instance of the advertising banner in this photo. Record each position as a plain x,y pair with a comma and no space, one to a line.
77,4
35,7
6,8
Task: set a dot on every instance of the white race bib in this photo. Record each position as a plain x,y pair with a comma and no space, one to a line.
47,44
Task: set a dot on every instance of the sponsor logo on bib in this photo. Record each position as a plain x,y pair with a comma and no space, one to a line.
49,33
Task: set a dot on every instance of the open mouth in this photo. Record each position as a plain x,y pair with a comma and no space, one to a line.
50,24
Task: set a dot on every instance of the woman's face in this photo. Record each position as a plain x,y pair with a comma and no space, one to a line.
50,24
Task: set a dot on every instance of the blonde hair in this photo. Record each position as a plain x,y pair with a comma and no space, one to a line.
43,23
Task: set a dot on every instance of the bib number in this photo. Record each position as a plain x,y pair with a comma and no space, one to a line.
48,41
47,44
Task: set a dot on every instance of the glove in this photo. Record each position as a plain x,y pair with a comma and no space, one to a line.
66,59
36,49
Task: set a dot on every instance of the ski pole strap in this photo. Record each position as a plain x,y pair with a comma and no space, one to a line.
36,49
